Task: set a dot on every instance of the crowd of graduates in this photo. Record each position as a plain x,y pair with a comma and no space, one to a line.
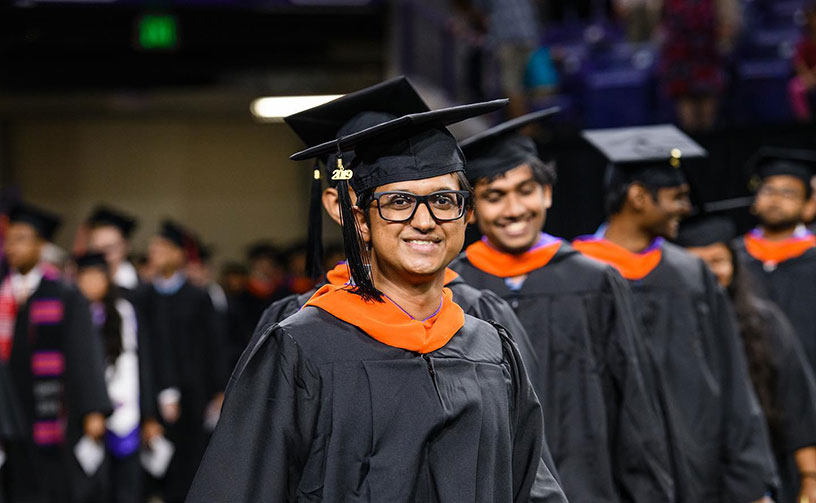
664,358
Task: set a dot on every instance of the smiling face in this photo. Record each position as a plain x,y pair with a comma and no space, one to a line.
511,210
419,249
660,212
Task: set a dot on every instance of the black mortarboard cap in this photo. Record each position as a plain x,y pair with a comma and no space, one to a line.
90,260
341,117
502,148
44,222
175,233
772,161
651,155
322,123
705,230
411,147
105,215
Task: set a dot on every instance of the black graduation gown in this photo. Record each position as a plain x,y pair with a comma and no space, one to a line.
791,285
323,412
189,351
53,328
718,437
603,426
12,425
482,304
795,398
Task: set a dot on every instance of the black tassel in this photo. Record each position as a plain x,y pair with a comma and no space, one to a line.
355,248
314,242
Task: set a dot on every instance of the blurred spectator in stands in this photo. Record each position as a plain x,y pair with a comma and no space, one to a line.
513,34
564,10
640,18
802,88
697,34
469,24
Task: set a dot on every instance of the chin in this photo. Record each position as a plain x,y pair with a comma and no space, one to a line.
516,244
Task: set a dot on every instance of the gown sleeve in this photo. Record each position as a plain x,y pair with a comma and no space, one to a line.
264,437
749,470
216,340
85,360
275,313
795,384
533,481
641,459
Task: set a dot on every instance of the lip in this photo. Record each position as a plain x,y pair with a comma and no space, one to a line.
423,244
515,229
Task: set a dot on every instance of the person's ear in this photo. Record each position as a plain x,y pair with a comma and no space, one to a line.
331,203
362,223
548,192
470,216
638,197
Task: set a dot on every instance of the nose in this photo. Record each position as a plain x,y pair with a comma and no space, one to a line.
514,207
423,221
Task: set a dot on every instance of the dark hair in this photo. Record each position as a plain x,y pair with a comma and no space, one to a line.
544,173
754,329
616,194
112,327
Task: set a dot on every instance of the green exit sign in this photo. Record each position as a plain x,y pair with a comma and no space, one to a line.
157,32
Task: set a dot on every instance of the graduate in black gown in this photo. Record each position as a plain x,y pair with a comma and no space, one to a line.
605,431
718,438
385,390
780,253
779,370
56,365
109,233
313,130
129,381
189,352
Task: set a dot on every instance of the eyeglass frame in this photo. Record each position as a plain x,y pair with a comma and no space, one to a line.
466,197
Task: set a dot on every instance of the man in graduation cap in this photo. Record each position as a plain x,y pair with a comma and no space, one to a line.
55,361
341,117
188,350
606,435
109,233
717,433
781,252
383,389
779,371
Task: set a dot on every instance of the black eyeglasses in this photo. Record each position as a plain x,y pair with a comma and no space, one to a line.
444,205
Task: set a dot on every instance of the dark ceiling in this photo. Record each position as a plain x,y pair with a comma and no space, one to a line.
68,49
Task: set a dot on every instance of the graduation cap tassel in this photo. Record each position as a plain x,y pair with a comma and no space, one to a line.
353,244
314,242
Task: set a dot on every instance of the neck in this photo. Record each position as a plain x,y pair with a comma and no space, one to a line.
27,268
777,234
420,300
626,233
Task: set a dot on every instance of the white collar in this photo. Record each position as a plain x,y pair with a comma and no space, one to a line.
126,276
24,285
